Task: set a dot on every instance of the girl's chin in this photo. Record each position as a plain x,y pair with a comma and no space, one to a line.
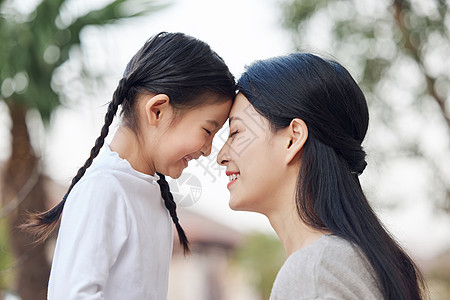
175,174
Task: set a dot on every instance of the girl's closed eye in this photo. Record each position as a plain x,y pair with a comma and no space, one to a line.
207,131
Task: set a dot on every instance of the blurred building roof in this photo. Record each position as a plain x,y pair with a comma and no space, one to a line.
204,231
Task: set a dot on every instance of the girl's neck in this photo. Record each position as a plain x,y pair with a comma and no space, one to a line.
125,142
293,233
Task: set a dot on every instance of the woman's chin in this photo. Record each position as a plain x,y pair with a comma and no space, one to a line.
234,205
238,205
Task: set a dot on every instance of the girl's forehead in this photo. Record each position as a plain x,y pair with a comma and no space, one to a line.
216,113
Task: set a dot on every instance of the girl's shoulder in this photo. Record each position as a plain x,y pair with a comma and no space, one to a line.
99,180
96,190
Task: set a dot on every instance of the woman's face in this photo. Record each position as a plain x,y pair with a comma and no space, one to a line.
253,160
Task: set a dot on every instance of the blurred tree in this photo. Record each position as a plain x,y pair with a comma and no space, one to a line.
5,257
398,50
262,256
33,46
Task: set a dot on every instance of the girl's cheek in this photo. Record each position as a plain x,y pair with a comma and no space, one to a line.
200,143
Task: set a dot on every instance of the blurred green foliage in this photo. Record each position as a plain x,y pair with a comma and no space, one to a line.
261,255
6,258
38,43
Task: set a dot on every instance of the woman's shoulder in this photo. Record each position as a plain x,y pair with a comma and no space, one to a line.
328,251
329,267
340,256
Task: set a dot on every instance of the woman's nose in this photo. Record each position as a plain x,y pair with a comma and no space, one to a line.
222,157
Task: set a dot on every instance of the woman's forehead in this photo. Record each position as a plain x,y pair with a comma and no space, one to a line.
244,113
240,104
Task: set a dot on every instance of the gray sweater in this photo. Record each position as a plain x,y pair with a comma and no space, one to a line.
328,268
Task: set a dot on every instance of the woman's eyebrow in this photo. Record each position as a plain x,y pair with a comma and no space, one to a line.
233,118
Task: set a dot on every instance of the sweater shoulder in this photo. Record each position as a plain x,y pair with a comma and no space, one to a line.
329,268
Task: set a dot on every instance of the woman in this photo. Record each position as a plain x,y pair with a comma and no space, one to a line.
294,154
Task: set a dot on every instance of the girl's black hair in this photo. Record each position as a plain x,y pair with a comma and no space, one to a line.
180,66
329,196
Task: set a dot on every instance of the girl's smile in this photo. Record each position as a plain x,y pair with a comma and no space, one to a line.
186,160
189,138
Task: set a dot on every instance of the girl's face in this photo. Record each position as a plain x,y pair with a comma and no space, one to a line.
189,137
252,153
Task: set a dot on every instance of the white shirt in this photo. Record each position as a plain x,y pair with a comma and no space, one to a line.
115,239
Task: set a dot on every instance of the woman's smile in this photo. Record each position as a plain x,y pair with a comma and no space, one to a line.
233,176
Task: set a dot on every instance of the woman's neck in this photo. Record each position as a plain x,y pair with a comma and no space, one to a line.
293,233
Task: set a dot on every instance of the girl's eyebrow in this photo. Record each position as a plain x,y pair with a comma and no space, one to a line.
214,123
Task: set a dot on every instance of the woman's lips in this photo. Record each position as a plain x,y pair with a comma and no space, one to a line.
230,183
233,176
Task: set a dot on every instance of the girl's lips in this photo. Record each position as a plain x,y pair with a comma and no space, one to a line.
186,160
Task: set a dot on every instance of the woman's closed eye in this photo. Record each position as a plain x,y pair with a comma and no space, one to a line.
207,131
233,133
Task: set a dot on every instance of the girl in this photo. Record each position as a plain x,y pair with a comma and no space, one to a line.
294,154
115,238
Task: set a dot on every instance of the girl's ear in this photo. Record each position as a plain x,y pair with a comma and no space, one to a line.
156,108
297,133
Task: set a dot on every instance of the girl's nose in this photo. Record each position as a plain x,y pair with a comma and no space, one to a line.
206,150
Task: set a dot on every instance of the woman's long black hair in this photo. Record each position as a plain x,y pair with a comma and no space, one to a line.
175,64
329,196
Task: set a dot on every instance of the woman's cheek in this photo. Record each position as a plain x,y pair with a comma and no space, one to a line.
241,147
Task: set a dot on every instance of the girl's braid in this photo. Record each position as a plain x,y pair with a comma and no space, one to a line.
43,224
172,207
118,97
